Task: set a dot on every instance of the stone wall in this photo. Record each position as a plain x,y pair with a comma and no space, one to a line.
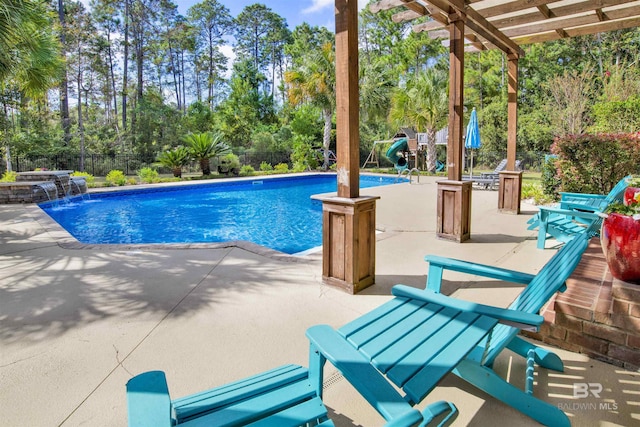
39,187
22,192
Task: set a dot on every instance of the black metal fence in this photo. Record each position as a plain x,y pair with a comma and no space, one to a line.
101,164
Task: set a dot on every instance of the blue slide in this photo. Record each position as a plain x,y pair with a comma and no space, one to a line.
395,154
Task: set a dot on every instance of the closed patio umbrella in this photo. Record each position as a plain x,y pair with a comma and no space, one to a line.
472,139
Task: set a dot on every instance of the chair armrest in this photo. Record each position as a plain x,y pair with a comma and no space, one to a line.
579,207
580,195
545,211
148,401
438,264
367,380
510,317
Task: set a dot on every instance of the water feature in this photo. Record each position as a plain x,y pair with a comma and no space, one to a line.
28,187
59,178
48,188
79,188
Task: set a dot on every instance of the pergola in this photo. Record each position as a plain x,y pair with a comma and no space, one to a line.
467,25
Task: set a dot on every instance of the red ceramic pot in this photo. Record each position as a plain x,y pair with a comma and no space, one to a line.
620,240
629,195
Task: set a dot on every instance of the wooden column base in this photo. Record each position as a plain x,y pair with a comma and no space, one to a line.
510,192
454,210
349,242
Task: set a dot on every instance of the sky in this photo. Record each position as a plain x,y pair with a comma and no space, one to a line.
314,12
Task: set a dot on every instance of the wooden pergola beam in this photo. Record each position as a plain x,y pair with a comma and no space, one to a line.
479,25
581,31
558,12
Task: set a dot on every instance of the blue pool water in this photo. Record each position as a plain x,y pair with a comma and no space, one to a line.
275,212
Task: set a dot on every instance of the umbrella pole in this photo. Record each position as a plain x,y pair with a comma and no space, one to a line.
471,165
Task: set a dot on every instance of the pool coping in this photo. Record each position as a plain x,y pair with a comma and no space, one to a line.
65,240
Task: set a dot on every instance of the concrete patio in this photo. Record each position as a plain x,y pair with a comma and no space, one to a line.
76,322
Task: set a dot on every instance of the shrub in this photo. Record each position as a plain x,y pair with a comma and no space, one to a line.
89,179
281,168
617,116
9,176
115,177
247,170
229,164
175,159
550,180
203,146
303,155
266,167
148,175
531,190
594,163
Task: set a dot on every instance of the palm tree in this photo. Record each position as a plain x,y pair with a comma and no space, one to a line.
423,104
175,159
315,82
203,146
29,53
29,50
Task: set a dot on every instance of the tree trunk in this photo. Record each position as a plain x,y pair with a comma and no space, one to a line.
126,65
184,90
113,78
64,91
6,140
326,140
80,121
176,78
210,71
205,165
140,63
431,150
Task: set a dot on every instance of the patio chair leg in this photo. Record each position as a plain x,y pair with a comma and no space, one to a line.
544,358
488,381
316,369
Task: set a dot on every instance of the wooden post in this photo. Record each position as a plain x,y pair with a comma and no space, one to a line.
348,222
347,99
456,97
512,111
509,194
454,195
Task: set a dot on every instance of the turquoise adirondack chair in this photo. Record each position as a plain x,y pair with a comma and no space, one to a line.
476,368
582,202
411,342
594,202
564,224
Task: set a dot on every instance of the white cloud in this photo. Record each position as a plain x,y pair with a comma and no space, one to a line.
318,5
227,50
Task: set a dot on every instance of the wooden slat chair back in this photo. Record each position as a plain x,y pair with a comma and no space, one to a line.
549,280
476,368
564,222
594,202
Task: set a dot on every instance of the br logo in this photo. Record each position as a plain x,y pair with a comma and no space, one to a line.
583,390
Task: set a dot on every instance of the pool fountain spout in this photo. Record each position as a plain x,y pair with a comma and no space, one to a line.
48,188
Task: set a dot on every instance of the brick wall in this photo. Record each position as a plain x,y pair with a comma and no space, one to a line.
597,315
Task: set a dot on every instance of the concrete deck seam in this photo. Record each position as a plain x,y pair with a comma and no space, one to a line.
120,363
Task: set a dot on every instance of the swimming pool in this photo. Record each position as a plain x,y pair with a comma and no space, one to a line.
275,212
